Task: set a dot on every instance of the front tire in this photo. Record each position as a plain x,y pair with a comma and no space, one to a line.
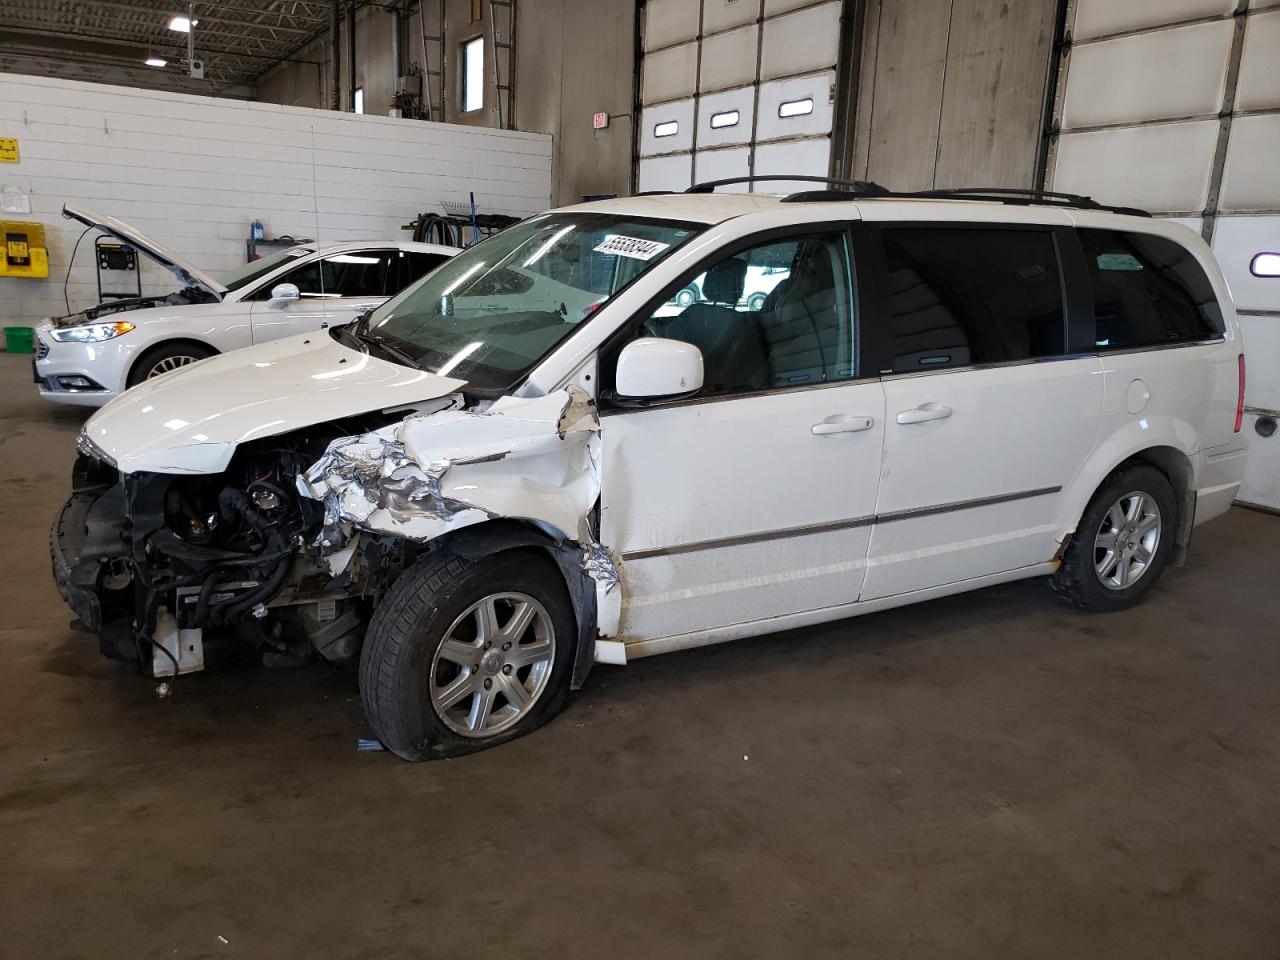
165,358
1122,543
466,654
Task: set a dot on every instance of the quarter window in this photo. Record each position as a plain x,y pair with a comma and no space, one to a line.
1147,291
960,296
778,315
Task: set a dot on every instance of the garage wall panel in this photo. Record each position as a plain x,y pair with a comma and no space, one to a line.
194,172
1259,84
801,42
666,128
1163,167
729,59
1183,70
1101,18
725,118
1251,178
668,22
669,74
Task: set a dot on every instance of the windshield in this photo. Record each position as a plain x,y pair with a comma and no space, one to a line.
237,278
492,312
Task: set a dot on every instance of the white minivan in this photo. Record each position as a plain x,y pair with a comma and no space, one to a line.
490,482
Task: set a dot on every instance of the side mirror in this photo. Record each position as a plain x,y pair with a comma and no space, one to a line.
283,293
654,367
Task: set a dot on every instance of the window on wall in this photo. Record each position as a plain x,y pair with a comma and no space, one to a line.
959,296
473,75
357,100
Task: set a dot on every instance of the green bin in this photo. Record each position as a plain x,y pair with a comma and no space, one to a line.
20,339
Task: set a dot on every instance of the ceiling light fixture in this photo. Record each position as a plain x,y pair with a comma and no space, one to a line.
156,62
181,24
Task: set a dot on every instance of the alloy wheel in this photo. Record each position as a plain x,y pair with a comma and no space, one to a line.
169,363
493,664
1127,540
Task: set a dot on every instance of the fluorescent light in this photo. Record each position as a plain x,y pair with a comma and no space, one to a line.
458,357
555,237
181,24
351,258
156,62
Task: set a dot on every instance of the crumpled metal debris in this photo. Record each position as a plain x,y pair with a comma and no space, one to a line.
445,470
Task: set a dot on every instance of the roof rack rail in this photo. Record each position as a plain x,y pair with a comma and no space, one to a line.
1009,195
1022,195
864,188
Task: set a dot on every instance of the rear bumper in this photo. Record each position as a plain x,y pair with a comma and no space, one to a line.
1220,475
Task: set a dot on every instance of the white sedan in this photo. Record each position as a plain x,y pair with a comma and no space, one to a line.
91,356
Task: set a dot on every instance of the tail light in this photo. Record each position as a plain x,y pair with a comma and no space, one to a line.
1240,396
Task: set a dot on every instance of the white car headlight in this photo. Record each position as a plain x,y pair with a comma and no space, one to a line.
92,333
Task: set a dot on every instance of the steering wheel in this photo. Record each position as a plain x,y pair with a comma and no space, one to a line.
650,328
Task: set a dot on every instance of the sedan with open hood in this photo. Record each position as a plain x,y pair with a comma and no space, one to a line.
92,355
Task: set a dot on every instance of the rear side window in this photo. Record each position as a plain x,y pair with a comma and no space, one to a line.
961,296
412,266
1147,291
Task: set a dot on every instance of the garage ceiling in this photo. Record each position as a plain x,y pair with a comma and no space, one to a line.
107,40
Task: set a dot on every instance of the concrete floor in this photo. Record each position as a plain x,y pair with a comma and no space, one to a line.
990,775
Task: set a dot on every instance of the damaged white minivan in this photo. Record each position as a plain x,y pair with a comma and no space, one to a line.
540,456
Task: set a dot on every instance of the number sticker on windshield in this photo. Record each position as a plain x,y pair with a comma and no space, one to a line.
633,247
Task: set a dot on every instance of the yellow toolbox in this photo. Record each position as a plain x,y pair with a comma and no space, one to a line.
25,254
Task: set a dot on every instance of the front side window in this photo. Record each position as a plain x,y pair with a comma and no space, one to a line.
1147,291
960,296
777,315
360,273
492,312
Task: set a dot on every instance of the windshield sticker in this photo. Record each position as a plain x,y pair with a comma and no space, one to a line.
633,247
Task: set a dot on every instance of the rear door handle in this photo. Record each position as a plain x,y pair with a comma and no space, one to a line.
847,425
924,413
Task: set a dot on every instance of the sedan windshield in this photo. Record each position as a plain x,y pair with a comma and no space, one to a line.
492,312
237,278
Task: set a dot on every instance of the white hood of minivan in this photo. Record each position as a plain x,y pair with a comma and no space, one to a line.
187,272
192,420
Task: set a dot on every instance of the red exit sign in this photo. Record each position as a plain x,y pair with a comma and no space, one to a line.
599,121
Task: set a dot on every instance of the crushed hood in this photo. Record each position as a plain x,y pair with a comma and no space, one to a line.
187,272
191,421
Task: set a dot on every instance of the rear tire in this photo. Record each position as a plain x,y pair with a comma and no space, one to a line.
165,358
466,654
1122,543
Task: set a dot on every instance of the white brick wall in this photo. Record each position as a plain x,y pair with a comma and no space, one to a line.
194,172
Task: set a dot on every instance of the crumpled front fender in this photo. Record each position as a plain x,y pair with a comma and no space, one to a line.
531,459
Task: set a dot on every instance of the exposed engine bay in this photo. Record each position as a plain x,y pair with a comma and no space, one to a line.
291,546
187,295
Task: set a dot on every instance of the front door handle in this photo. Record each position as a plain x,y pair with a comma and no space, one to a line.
847,425
924,413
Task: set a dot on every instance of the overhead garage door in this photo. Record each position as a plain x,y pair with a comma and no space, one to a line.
1174,105
730,88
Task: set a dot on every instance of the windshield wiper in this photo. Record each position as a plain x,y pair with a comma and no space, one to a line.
381,343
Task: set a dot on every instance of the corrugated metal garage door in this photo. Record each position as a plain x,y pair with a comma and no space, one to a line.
736,87
1174,105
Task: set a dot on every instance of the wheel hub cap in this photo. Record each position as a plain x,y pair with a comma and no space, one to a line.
1127,540
493,664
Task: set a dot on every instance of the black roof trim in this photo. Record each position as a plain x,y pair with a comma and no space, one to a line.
838,189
